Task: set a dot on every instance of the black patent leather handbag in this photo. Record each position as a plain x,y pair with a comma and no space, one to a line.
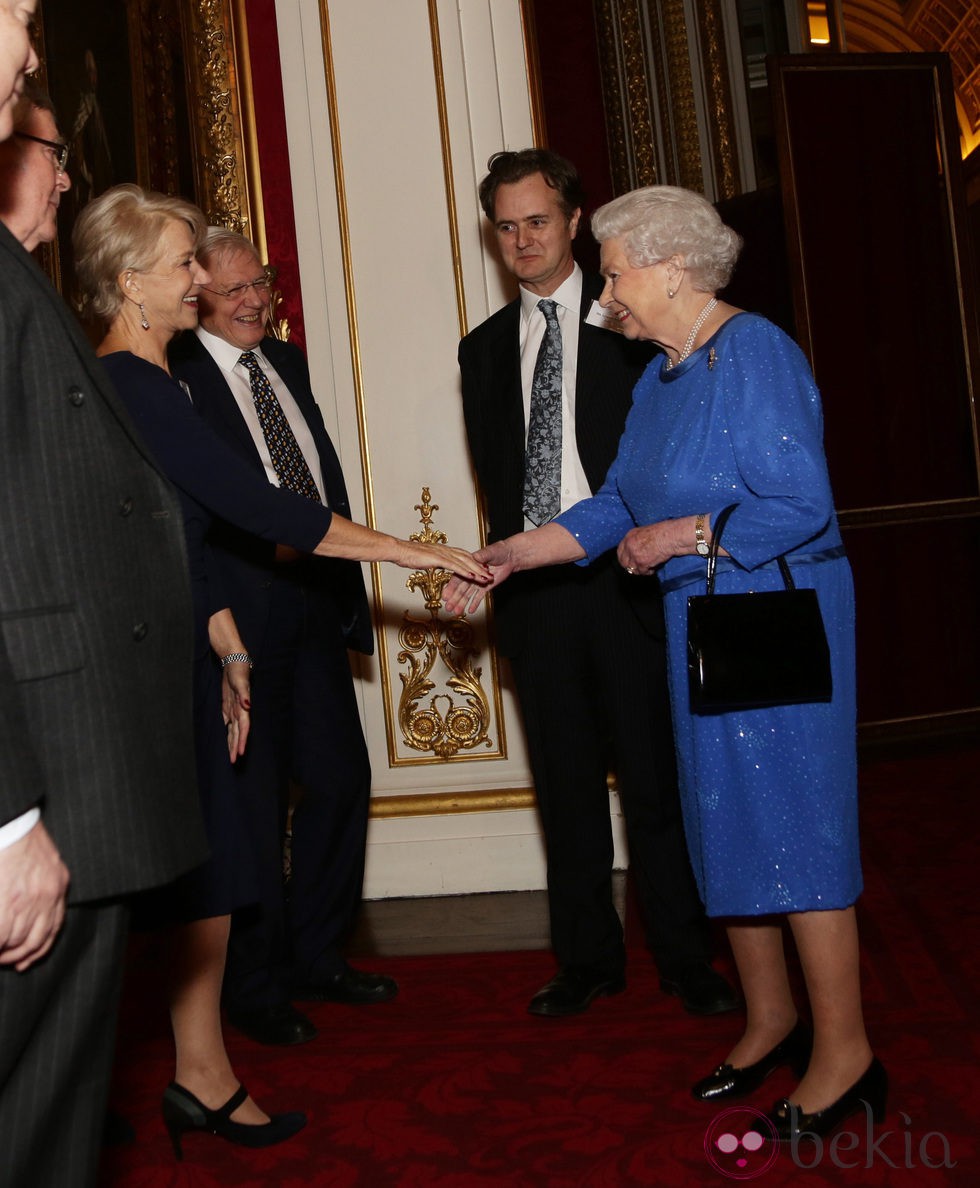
763,648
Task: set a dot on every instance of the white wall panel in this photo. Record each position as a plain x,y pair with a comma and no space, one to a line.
394,266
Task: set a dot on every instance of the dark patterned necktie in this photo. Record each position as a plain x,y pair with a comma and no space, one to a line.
287,458
542,458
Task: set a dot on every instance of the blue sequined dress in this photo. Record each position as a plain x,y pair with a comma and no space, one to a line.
769,795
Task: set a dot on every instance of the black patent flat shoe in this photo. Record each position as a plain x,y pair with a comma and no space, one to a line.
869,1092
727,1081
182,1111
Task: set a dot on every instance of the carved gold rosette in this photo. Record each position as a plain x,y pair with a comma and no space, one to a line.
442,726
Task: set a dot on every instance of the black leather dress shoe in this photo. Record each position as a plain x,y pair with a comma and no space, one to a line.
702,990
350,986
281,1025
727,1081
869,1092
572,990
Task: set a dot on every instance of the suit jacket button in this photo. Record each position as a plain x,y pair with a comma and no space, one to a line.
139,632
126,507
76,396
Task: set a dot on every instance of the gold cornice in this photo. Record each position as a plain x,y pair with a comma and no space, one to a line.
429,804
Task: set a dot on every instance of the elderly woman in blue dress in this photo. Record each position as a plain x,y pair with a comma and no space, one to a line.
729,414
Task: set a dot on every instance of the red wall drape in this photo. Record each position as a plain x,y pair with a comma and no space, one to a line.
270,123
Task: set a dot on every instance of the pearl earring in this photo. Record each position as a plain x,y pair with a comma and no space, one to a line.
143,322
671,293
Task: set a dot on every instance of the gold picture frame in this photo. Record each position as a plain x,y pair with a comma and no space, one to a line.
157,92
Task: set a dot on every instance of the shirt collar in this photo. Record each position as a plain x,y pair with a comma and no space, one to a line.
568,294
225,354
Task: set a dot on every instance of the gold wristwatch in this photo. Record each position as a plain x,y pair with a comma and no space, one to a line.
699,542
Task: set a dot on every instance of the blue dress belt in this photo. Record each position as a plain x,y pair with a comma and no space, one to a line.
726,565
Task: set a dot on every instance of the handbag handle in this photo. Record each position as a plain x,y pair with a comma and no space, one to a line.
716,531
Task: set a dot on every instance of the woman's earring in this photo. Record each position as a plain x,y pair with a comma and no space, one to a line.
143,322
671,293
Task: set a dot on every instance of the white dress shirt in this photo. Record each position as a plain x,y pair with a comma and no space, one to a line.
226,356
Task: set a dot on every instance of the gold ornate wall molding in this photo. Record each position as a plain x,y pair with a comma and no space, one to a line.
718,94
634,92
435,647
222,112
179,119
652,99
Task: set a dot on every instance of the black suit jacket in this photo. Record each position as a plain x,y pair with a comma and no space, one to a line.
247,563
95,617
607,369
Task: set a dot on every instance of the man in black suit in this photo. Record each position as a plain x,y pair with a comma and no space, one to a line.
97,786
586,645
298,616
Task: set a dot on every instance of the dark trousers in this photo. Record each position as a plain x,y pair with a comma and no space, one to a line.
306,733
593,693
57,1032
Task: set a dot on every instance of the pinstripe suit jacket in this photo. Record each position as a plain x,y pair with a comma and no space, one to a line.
607,368
95,619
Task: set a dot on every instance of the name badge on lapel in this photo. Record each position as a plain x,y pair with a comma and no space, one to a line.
597,316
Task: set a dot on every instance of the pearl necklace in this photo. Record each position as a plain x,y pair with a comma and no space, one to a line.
699,321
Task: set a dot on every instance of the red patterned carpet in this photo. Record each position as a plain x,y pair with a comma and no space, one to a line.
453,1085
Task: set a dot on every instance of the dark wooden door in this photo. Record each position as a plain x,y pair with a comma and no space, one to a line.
884,307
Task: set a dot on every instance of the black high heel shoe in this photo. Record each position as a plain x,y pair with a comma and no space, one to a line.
869,1091
727,1081
182,1112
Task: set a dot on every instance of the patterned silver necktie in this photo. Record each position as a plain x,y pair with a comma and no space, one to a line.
542,458
287,458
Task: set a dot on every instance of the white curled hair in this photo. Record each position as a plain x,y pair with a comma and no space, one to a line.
657,222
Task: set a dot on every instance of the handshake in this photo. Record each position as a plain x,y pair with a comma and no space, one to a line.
474,574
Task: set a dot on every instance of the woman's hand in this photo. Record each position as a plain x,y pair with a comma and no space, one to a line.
355,542
411,554
642,549
462,597
236,704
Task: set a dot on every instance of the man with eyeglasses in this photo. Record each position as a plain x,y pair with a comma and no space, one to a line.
298,616
32,170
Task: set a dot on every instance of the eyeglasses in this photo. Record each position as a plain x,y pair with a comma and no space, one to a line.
58,147
261,286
